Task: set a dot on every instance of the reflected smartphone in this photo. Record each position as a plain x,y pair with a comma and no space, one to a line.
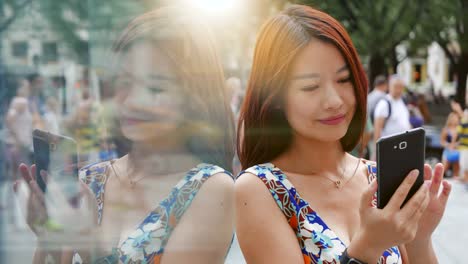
58,156
397,155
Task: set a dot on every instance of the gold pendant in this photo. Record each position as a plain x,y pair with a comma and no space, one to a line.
338,184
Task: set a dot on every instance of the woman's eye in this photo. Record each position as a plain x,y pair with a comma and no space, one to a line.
345,80
156,90
309,88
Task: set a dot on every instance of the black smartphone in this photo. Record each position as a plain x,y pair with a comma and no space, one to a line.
57,155
397,155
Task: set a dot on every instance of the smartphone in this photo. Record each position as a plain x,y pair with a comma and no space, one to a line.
57,155
397,155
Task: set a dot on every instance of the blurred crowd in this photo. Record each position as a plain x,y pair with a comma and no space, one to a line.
39,103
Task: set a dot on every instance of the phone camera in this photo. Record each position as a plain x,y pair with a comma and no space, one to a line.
402,145
53,147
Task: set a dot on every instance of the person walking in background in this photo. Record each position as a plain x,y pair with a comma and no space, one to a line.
462,137
391,114
451,155
83,127
51,117
18,144
379,92
19,126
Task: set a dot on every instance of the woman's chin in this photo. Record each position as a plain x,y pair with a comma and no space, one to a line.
148,135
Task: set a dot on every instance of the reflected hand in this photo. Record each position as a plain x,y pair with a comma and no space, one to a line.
50,215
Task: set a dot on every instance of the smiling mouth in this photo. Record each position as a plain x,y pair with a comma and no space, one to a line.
131,119
333,120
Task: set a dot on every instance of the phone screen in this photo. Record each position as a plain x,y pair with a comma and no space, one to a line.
57,156
397,155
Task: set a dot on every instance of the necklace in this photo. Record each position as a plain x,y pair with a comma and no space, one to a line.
164,167
132,182
341,182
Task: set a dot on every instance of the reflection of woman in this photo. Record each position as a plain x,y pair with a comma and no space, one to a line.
304,109
169,199
450,156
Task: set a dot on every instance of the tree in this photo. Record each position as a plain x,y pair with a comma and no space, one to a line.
80,23
376,27
10,10
446,23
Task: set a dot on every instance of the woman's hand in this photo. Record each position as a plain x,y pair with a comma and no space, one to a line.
51,215
437,203
384,228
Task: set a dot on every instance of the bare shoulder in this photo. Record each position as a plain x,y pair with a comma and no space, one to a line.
261,226
251,193
206,229
217,187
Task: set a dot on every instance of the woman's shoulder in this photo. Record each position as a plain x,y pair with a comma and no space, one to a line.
251,182
260,170
91,172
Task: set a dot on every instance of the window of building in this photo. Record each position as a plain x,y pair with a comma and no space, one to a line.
20,49
49,52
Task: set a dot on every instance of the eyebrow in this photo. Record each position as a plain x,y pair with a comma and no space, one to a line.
316,75
153,77
163,77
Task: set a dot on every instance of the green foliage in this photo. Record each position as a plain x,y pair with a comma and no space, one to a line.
10,10
376,27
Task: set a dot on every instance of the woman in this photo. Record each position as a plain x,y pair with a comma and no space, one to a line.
168,200
304,109
450,156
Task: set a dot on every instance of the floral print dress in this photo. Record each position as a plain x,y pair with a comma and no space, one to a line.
318,243
147,242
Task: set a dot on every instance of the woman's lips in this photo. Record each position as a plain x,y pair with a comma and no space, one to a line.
131,120
335,120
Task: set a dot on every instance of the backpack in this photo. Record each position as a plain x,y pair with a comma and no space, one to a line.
389,104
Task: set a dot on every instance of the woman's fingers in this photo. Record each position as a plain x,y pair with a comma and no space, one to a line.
402,192
416,202
25,172
447,188
422,208
33,171
427,172
37,192
437,179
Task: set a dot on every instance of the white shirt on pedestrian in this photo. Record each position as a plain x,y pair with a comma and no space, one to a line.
399,118
373,98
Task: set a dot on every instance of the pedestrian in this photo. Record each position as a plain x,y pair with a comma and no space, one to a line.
391,115
301,195
462,139
378,93
19,127
52,115
448,135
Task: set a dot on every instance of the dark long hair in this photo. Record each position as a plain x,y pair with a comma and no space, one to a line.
264,130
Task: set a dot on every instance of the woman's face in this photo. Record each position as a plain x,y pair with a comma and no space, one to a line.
320,100
152,106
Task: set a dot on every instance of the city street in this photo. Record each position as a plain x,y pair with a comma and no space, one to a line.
450,238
